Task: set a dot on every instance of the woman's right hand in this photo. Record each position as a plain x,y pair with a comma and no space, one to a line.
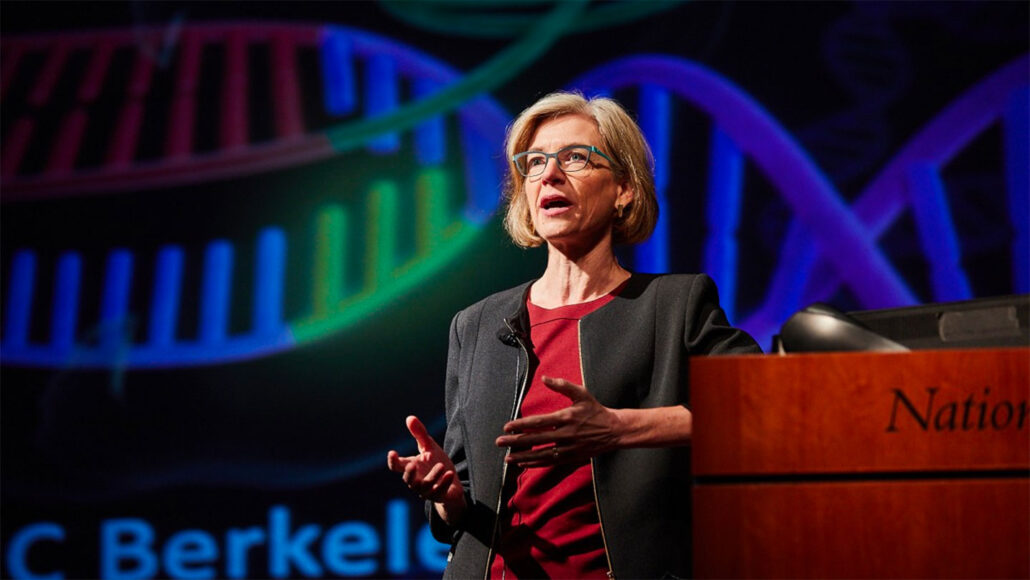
431,474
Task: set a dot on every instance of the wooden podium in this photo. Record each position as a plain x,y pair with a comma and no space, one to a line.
862,465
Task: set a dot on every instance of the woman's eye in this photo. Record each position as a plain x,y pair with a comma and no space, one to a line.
534,161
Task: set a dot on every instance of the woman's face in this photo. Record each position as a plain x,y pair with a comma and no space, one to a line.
574,210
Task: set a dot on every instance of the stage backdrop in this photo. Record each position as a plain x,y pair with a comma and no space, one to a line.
234,234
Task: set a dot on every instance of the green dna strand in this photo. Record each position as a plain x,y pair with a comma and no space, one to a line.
357,267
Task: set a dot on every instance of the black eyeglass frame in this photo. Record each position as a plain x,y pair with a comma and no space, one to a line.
589,149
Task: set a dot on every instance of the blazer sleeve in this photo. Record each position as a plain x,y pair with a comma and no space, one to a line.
453,443
707,329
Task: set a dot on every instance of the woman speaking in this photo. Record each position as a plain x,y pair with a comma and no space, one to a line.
567,451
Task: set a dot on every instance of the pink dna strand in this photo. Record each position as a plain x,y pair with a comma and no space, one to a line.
180,163
830,242
362,75
297,138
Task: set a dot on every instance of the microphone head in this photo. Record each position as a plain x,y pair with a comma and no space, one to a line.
821,328
507,337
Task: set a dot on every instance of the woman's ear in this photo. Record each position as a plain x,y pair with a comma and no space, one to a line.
625,196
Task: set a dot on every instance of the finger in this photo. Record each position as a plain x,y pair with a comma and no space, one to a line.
541,457
396,462
530,464
546,460
545,437
418,431
569,389
428,486
410,475
430,479
420,485
439,490
535,423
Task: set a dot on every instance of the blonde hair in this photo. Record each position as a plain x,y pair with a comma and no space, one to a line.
622,141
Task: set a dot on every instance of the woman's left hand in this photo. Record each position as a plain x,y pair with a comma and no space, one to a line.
576,433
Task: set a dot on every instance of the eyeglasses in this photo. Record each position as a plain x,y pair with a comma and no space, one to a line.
570,159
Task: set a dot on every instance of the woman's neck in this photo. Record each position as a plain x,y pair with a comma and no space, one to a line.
578,279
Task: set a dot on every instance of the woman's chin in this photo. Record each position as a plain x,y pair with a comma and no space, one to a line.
558,235
573,241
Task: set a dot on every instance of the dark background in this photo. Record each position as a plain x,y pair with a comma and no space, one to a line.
213,444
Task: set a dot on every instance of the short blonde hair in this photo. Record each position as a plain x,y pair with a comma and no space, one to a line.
623,141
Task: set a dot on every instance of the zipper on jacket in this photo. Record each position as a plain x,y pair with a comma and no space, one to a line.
520,392
600,522
593,467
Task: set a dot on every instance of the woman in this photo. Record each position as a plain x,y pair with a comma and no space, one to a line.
567,446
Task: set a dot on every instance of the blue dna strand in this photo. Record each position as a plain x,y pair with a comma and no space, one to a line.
867,59
364,76
829,242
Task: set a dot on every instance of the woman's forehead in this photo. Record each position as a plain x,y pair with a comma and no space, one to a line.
572,129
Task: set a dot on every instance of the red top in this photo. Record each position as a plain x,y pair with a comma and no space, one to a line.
551,527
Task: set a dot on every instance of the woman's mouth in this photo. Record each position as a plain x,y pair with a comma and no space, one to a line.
554,204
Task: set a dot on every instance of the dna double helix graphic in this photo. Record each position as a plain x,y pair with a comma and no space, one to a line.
363,76
829,242
96,147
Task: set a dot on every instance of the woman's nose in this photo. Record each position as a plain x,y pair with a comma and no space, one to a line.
552,171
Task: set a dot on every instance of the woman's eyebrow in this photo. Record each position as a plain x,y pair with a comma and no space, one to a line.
559,148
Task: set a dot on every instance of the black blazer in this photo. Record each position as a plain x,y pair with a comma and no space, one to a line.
635,354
